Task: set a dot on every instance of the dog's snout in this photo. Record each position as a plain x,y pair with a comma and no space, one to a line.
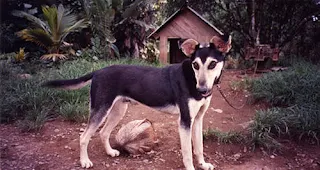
203,89
202,83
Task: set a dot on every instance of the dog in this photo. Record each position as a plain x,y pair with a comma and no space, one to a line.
184,89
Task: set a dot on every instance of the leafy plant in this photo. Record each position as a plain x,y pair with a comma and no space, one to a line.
25,102
50,33
224,137
294,95
150,51
20,56
119,25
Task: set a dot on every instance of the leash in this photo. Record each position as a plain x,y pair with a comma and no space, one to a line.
217,83
225,98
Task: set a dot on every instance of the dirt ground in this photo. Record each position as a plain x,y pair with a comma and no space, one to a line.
57,145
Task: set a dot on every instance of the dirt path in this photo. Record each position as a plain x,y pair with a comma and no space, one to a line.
57,145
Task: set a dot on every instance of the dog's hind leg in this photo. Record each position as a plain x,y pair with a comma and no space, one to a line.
116,114
197,139
93,125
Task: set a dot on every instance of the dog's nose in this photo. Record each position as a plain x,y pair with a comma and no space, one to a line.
202,89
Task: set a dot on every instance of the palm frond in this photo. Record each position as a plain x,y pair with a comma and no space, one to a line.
78,25
38,22
38,36
60,14
115,49
50,15
53,57
65,18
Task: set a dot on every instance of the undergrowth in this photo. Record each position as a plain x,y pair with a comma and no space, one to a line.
24,101
224,137
295,99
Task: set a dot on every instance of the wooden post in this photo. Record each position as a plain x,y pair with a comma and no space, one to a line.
163,50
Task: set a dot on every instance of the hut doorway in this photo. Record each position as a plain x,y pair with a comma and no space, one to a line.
175,54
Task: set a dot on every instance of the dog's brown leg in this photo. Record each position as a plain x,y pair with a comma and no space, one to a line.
116,114
197,139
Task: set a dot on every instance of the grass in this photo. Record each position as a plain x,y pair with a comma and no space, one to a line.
243,84
25,102
224,137
295,99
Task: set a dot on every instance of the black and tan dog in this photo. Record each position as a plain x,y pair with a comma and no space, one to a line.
184,89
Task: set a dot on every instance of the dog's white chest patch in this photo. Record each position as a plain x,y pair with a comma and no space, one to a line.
195,105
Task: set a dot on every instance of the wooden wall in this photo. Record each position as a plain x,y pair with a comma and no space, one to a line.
185,25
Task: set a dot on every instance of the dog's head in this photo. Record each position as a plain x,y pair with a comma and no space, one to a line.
207,60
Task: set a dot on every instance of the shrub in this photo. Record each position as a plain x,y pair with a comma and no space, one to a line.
224,137
298,85
23,98
25,101
295,96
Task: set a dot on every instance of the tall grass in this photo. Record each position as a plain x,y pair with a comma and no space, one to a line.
29,104
294,95
224,137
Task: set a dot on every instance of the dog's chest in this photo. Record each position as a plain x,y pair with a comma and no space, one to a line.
196,105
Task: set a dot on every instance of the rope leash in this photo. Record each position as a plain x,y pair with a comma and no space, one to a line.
225,98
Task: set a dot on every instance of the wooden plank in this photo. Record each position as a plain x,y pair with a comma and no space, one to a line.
188,25
163,58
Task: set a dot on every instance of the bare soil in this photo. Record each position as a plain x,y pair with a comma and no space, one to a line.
56,146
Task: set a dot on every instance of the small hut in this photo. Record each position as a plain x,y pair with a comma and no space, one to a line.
184,23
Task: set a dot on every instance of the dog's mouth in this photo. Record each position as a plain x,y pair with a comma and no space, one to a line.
206,93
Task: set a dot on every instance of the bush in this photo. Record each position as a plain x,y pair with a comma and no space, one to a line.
295,96
298,85
224,137
25,101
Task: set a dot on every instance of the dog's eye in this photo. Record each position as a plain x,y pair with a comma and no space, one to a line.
212,65
195,65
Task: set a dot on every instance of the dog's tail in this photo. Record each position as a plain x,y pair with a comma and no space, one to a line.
70,84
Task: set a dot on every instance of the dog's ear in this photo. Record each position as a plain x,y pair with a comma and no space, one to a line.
189,46
221,45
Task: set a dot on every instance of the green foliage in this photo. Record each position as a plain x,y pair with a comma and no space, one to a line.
50,33
295,93
224,137
299,84
101,50
150,51
119,25
101,15
252,20
266,125
25,101
76,111
244,84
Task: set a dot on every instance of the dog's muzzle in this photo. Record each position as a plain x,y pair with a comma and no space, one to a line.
204,91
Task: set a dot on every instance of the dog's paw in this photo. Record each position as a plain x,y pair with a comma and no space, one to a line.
113,152
206,166
86,163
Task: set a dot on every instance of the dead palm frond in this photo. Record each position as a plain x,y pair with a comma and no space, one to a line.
53,57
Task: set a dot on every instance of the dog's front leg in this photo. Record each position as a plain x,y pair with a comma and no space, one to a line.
197,139
186,146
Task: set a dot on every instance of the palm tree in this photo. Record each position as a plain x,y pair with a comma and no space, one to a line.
51,32
120,24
